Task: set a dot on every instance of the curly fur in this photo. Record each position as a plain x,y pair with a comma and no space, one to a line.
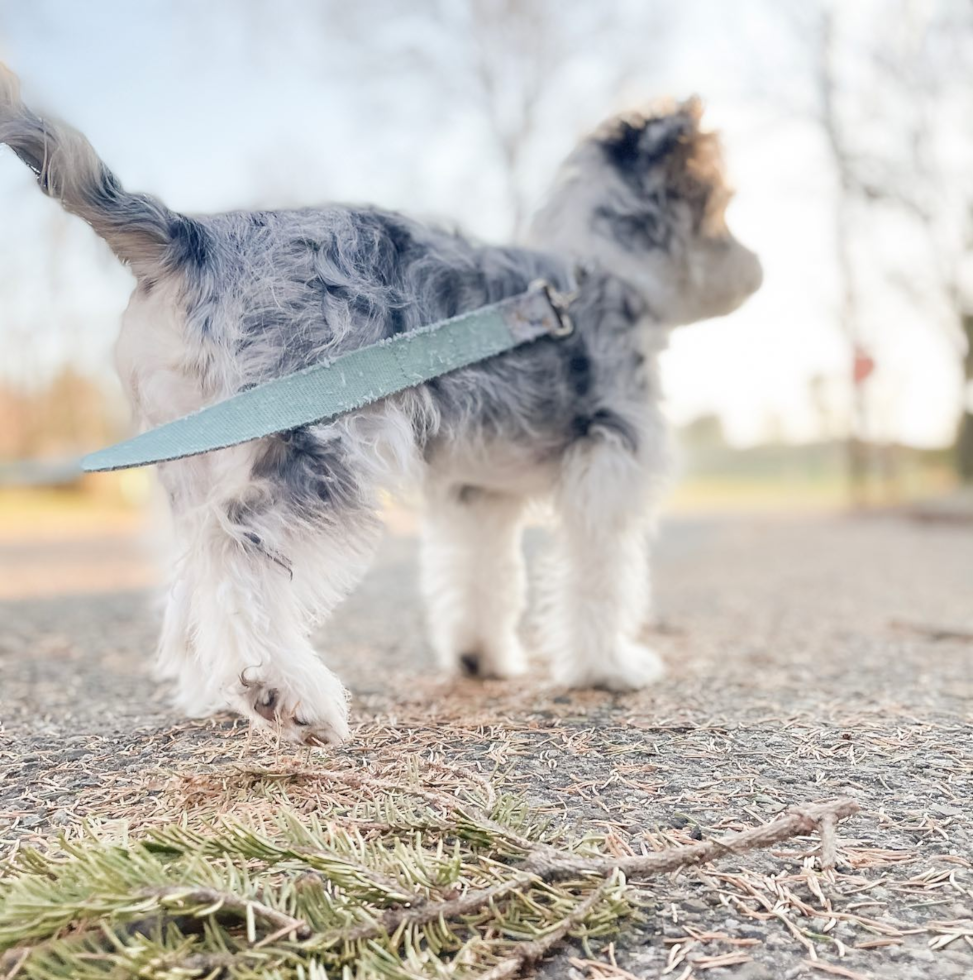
271,535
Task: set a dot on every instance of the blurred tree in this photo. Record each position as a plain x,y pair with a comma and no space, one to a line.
517,75
515,58
818,26
892,99
925,70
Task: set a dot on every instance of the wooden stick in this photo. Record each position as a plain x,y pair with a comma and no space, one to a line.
800,820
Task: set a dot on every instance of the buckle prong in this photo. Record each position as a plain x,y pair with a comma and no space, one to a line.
559,302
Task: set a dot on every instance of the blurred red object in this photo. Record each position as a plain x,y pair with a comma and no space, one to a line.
863,366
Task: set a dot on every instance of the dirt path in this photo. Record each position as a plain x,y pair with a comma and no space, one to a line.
804,664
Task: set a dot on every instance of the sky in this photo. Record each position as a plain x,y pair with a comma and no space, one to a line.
216,104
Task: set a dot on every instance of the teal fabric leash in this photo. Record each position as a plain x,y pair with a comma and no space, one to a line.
349,381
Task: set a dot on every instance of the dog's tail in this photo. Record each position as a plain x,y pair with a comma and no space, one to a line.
140,230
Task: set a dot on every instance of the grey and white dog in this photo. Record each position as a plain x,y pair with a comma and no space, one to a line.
273,534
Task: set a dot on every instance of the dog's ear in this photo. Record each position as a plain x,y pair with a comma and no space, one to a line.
636,143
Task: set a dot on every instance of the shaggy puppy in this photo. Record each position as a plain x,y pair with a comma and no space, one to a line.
272,534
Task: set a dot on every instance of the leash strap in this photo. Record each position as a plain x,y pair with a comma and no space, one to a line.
350,381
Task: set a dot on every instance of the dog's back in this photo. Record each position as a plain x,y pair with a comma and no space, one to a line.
285,289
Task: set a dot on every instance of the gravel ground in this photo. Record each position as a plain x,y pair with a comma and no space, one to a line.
809,658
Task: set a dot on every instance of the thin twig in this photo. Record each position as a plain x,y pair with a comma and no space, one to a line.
427,912
801,820
219,901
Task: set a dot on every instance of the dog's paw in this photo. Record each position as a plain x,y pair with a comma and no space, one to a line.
632,666
310,708
493,662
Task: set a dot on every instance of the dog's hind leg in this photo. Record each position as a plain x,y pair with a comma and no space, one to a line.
597,594
473,579
269,561
256,600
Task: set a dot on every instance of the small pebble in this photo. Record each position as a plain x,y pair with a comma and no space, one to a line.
695,905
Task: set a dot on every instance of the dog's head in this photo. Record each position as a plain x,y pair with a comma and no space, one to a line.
645,196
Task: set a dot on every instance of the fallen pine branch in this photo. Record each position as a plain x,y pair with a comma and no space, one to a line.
461,875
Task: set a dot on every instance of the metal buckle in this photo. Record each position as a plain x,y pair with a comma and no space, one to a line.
559,303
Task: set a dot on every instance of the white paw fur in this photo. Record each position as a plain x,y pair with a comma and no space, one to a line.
631,667
309,707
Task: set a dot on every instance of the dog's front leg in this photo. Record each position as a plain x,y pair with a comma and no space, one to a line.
474,580
598,583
